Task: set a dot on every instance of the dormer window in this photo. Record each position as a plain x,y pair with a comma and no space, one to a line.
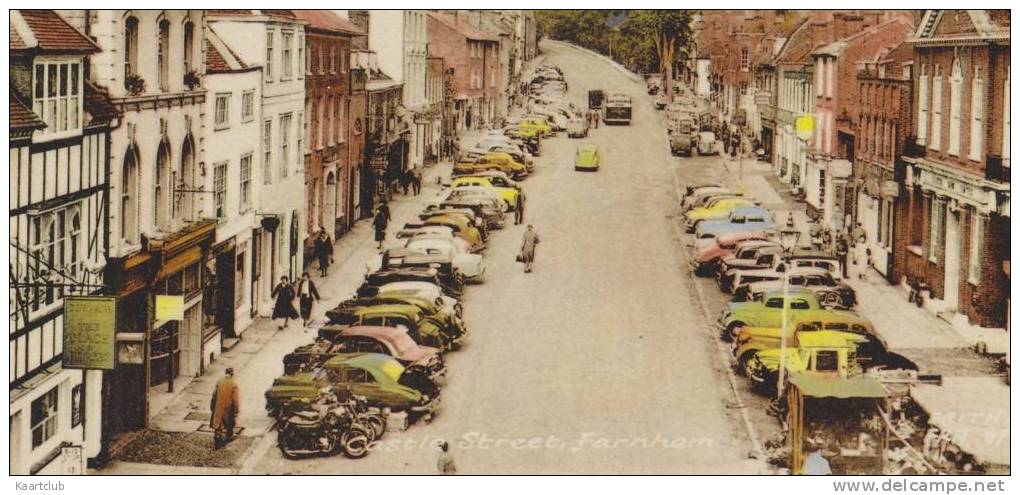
57,95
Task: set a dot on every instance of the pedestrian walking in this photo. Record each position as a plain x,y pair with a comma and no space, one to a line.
519,210
284,307
444,464
307,294
598,116
381,221
225,405
416,178
405,181
324,252
528,243
841,252
860,257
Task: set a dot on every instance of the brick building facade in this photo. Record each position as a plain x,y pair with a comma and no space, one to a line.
957,173
474,57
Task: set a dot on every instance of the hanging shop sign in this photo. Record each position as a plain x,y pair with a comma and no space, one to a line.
169,308
89,329
805,126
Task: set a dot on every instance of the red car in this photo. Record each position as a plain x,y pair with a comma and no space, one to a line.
706,260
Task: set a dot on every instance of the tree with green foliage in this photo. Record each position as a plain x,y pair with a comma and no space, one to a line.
671,33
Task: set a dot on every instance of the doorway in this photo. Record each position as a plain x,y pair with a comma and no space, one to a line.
225,292
952,261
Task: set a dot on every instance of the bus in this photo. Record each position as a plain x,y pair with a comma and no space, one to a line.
617,109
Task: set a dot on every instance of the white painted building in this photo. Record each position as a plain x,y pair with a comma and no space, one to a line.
274,40
232,185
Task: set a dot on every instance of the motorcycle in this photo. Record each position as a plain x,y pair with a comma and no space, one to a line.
325,427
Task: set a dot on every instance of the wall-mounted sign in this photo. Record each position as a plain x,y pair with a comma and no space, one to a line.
89,328
805,126
169,308
131,348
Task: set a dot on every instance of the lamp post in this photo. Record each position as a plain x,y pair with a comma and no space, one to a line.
788,238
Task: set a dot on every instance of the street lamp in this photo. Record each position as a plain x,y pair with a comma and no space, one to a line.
788,238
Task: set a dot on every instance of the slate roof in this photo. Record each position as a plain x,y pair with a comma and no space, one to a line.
45,30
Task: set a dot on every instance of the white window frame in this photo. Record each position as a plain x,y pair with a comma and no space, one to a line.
287,52
248,105
163,55
977,227
936,110
220,172
955,107
977,114
51,108
244,186
922,106
50,423
221,114
270,54
267,151
286,121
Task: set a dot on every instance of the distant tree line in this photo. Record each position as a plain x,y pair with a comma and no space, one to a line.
641,40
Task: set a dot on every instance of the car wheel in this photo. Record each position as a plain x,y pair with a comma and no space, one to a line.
732,329
743,363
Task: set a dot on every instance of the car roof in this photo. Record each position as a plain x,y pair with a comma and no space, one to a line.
829,338
587,148
367,360
793,291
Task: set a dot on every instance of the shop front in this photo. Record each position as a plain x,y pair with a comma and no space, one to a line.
152,353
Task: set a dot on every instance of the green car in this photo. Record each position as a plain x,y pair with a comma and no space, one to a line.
802,305
379,378
424,327
435,311
588,158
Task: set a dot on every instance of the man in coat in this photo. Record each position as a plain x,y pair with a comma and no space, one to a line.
225,406
528,248
323,252
381,221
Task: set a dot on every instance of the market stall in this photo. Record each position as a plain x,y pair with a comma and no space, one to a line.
840,417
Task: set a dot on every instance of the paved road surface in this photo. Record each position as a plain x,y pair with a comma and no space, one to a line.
598,361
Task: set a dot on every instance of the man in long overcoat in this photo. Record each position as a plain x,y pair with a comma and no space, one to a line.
225,405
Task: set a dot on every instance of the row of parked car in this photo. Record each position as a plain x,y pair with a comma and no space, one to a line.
737,242
380,356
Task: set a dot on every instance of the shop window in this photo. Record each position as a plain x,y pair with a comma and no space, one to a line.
45,417
240,268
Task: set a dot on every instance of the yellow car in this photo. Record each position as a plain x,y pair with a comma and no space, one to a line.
716,211
502,162
588,158
509,195
543,127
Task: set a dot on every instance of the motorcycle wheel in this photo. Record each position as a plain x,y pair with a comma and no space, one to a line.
376,423
283,439
355,442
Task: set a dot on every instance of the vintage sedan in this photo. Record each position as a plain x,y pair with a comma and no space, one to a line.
693,193
831,292
801,305
462,226
824,352
577,128
427,290
468,264
588,158
509,195
427,326
453,286
537,124
706,259
707,144
750,340
391,341
379,378
716,211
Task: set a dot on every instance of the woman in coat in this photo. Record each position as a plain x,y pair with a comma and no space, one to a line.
306,292
528,248
225,406
284,307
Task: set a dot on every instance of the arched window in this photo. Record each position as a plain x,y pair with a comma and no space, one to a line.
936,110
977,113
129,197
130,47
955,102
189,182
163,55
160,204
189,46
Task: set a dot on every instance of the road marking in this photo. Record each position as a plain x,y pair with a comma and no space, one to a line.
724,356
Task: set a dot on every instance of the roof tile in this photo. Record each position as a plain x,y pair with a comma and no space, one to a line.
53,33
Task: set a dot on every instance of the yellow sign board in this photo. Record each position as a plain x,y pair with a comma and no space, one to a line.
169,308
89,329
805,126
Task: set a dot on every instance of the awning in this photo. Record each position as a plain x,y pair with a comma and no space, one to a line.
974,410
822,386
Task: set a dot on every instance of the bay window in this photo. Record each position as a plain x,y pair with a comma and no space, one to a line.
57,95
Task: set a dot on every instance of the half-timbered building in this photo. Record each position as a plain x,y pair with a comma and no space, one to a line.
59,163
